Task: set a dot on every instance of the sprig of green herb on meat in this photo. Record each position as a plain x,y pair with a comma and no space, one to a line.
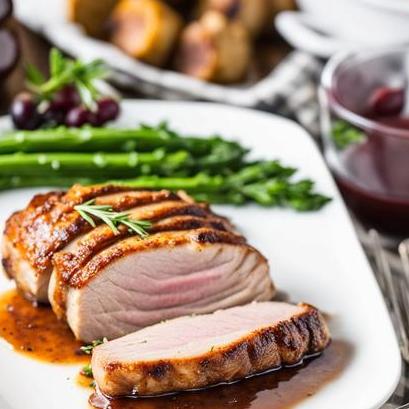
105,213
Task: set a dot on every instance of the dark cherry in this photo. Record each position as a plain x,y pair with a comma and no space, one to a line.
386,101
93,119
77,117
53,116
108,110
65,99
24,112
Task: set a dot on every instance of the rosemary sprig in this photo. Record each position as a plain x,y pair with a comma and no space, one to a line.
87,349
105,213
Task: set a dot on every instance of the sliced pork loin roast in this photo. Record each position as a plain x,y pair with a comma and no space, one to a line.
197,351
33,235
134,283
107,284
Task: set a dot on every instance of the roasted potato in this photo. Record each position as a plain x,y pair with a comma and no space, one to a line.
145,29
280,5
91,14
253,14
214,49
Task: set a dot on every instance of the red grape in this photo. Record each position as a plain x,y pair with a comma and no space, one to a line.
108,110
24,112
77,117
54,116
65,99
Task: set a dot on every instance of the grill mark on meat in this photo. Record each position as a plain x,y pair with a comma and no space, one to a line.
65,278
134,244
308,326
188,223
253,353
67,262
158,371
231,289
186,232
166,217
55,222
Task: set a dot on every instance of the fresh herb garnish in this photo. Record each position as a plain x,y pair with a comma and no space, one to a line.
344,134
65,71
111,218
86,370
87,349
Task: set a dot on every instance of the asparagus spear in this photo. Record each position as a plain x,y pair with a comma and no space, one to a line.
238,188
88,139
98,165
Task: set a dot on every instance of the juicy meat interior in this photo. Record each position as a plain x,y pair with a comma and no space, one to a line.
198,351
107,284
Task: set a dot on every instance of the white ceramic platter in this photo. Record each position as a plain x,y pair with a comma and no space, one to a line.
315,257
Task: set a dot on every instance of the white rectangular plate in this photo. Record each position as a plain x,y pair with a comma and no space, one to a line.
314,257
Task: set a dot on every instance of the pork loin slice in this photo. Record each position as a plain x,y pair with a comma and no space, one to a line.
198,351
135,283
33,235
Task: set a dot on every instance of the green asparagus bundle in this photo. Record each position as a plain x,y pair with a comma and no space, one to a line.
210,169
265,183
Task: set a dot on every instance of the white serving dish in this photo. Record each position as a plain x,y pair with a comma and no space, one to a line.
324,27
49,18
315,257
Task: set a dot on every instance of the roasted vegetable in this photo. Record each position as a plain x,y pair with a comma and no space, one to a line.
92,15
280,5
253,14
146,29
214,49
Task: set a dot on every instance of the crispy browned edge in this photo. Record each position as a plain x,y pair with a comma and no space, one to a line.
185,217
47,212
81,277
200,236
285,343
47,209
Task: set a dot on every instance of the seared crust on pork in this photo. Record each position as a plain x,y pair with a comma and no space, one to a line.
228,358
34,235
108,283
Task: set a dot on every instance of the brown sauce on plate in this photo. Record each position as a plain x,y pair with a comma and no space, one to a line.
36,332
281,389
